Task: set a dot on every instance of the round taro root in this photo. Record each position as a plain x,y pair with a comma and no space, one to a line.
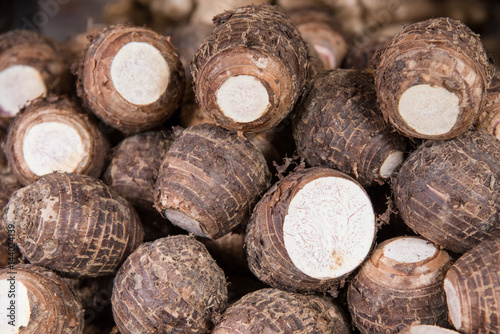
51,135
490,116
338,125
447,191
31,65
431,80
310,231
134,167
276,311
74,224
43,303
131,78
170,285
472,288
248,73
209,180
401,283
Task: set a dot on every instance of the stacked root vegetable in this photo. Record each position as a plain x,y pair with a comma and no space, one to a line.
254,175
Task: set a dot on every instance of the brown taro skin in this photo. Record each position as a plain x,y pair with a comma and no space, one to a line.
134,166
339,125
489,119
475,278
387,295
24,47
259,41
274,311
99,95
214,177
170,285
61,110
439,52
53,305
449,191
73,224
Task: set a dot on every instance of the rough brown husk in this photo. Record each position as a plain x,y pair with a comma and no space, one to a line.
386,296
476,277
275,311
449,191
134,167
440,52
338,125
96,89
489,119
73,224
54,308
55,109
24,47
241,40
267,256
171,285
213,176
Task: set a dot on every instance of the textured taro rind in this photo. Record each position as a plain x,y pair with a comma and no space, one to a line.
338,125
449,191
73,224
24,47
170,285
476,278
489,119
440,52
95,88
62,110
267,256
134,167
260,41
212,175
386,295
54,308
276,311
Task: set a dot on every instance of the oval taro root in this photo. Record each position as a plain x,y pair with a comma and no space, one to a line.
133,169
338,125
73,224
54,134
276,311
248,73
131,78
310,231
489,119
36,300
209,180
170,285
448,191
401,284
472,288
431,80
31,66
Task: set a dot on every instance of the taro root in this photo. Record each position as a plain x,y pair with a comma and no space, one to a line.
73,224
338,125
448,191
170,285
54,134
326,44
134,167
472,288
131,78
401,284
310,231
431,80
31,66
36,300
489,119
209,180
249,71
274,311
426,329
